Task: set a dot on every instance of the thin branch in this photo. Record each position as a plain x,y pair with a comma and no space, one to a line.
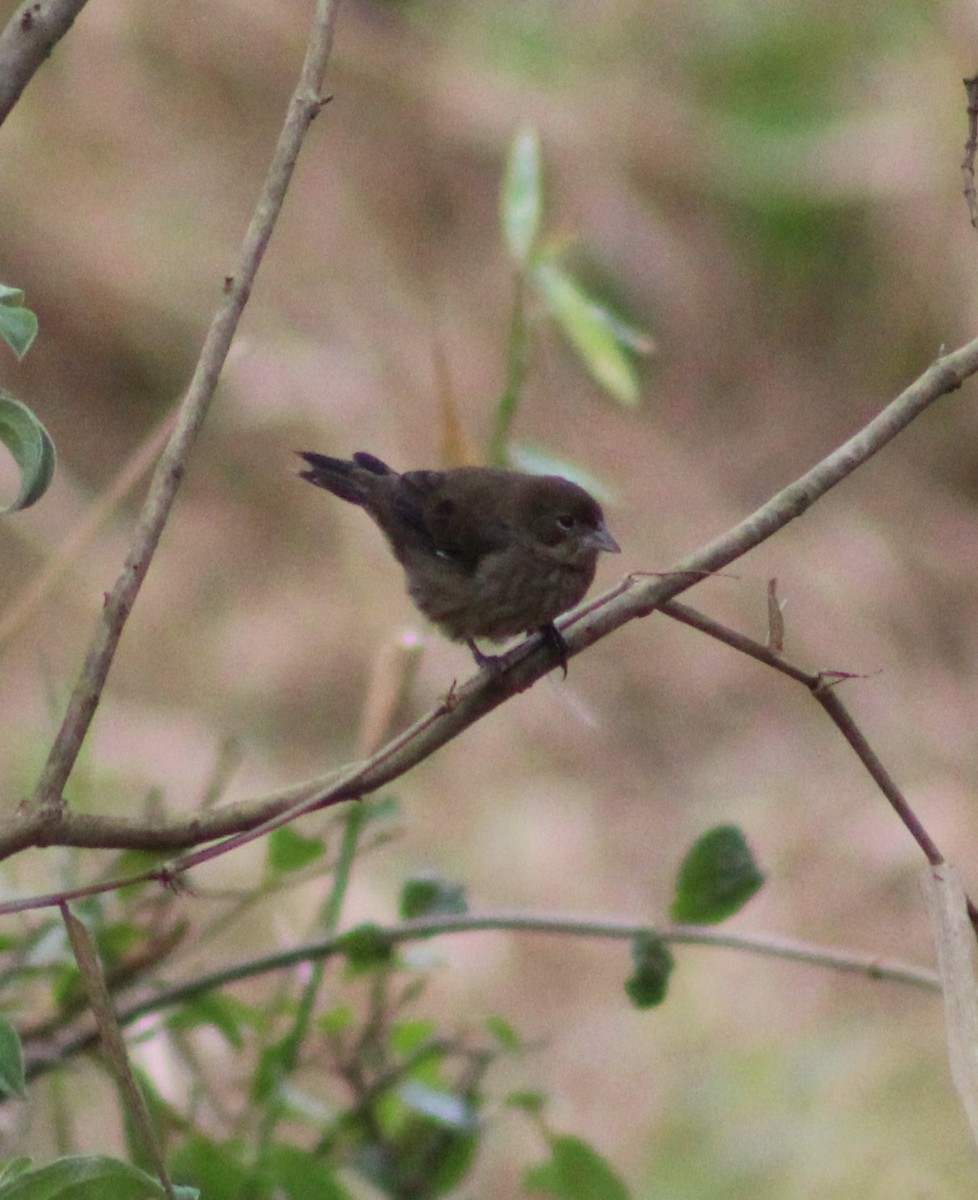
110,1034
822,685
786,949
304,106
830,701
26,42
630,599
970,147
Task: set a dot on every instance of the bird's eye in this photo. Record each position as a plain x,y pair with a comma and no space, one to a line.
565,522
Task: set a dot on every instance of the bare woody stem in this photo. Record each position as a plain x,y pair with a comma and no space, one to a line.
822,685
970,147
306,102
26,42
41,1059
633,597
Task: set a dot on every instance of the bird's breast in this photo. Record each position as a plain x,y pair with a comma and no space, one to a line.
508,593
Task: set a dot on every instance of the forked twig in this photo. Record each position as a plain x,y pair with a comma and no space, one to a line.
822,685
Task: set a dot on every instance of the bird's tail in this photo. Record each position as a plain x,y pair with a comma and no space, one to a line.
342,476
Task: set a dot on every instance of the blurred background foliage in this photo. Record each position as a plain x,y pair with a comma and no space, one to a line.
773,190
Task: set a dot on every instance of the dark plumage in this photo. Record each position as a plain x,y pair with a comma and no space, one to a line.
487,553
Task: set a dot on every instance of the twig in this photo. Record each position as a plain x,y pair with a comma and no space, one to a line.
970,147
821,684
630,599
26,41
786,949
304,106
113,1043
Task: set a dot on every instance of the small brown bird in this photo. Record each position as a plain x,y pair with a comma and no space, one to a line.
487,553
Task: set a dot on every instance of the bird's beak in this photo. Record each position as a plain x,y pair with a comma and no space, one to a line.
601,539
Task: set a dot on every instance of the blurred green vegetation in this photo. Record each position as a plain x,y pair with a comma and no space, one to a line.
773,192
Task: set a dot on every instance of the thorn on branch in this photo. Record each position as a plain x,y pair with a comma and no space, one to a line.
826,680
174,881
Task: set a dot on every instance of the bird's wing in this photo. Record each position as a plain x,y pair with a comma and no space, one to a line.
456,528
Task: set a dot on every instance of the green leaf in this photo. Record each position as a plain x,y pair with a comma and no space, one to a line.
427,1160
297,1174
214,1167
33,450
717,878
337,1020
575,1172
275,1064
14,1167
629,336
367,946
88,1177
429,895
654,962
11,1061
117,939
161,1117
66,985
291,851
591,329
224,1013
521,202
528,1101
18,325
406,1037
505,1034
452,1161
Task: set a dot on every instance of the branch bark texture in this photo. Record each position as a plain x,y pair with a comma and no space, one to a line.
633,598
304,106
26,42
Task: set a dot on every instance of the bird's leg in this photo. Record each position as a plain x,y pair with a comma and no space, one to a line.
555,640
492,661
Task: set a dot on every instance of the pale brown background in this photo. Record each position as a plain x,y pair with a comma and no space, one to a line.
774,192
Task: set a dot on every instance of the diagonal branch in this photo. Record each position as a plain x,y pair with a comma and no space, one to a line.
821,684
304,106
634,597
26,42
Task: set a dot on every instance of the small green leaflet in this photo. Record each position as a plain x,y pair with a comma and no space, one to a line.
33,450
717,878
653,962
430,895
592,330
575,1171
18,325
521,201
11,1061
